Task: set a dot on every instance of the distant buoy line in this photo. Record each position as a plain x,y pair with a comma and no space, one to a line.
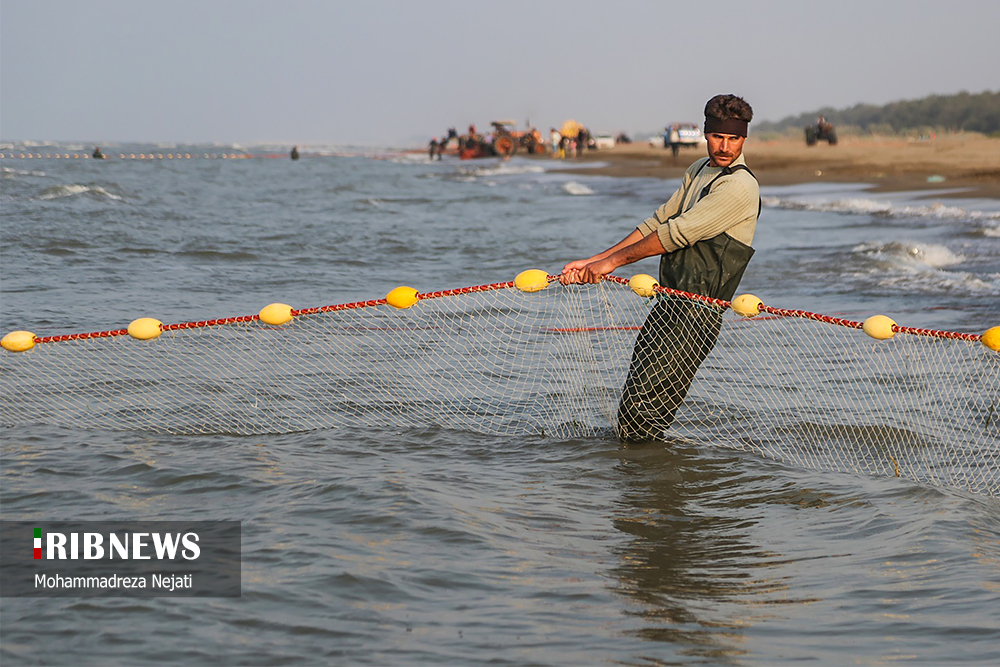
28,155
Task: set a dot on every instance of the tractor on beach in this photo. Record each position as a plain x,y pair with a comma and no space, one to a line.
504,142
822,131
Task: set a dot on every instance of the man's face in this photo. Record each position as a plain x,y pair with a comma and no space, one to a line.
724,149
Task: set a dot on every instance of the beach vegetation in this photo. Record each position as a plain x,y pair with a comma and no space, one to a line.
935,114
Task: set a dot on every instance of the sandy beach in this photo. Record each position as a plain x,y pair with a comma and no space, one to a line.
967,164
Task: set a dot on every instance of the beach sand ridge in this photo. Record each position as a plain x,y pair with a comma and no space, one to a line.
966,164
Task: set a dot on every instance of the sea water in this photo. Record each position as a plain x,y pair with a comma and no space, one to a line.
449,547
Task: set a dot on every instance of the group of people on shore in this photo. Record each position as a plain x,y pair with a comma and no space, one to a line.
569,144
502,141
573,142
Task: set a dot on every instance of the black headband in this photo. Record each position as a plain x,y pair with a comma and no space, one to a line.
714,125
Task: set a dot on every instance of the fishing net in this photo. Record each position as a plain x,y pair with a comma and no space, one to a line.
562,361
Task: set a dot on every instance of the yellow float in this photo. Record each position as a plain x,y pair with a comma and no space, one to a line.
145,328
643,284
991,339
18,341
879,327
402,297
532,280
275,314
746,305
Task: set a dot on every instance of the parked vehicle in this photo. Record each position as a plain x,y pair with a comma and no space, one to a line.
603,141
689,134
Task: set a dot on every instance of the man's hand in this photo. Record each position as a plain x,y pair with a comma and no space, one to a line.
630,249
578,264
571,272
586,271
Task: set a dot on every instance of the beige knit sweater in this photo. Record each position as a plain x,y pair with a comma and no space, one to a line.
731,207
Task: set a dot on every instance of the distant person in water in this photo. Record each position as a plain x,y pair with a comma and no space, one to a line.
295,153
98,155
432,148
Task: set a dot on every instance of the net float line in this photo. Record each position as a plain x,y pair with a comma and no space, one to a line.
528,358
748,306
143,156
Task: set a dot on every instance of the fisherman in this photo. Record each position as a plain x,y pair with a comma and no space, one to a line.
703,235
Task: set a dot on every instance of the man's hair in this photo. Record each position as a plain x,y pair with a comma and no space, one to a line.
729,107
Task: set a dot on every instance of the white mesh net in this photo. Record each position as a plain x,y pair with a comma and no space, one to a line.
549,363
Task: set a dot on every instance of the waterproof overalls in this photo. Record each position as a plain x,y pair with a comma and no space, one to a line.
679,333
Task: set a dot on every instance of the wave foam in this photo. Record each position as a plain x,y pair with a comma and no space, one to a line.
575,188
922,267
989,230
501,169
9,172
913,255
62,191
405,158
861,205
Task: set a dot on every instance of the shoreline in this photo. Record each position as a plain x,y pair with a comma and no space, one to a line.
967,165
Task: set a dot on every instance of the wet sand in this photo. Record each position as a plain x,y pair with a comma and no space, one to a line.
968,165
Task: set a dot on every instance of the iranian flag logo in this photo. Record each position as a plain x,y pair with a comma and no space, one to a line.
38,543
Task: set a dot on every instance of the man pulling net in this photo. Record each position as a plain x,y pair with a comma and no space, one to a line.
703,235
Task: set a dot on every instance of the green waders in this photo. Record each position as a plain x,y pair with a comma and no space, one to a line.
679,333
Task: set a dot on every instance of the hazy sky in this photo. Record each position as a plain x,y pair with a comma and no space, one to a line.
381,72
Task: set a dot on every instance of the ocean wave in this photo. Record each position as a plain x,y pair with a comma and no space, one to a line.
912,255
992,231
404,158
62,191
8,172
920,267
956,283
501,169
861,205
574,188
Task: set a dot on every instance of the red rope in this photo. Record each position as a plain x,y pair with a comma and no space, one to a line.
811,316
507,285
343,306
80,336
675,292
468,290
588,329
808,315
860,325
209,323
938,334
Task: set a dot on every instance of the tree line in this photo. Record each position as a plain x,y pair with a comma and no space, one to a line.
962,112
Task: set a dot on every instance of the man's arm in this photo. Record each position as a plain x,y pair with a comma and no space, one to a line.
731,205
630,249
637,245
